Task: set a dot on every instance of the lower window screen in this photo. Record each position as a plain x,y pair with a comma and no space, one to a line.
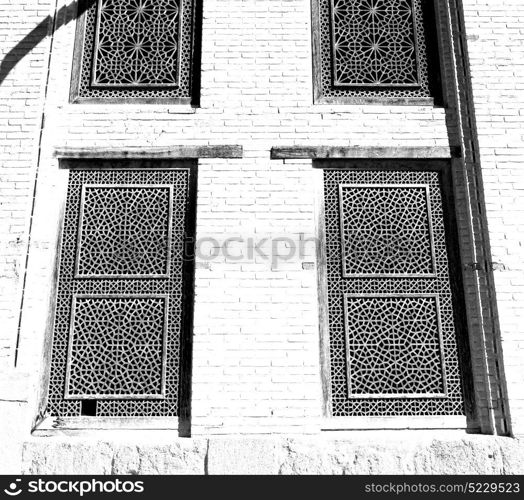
119,319
392,311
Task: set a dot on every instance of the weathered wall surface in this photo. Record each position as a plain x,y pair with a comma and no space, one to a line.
256,360
23,61
23,65
382,453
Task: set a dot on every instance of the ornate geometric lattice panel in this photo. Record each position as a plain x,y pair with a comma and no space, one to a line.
386,230
124,231
374,43
373,48
117,347
114,334
137,43
394,346
392,337
135,49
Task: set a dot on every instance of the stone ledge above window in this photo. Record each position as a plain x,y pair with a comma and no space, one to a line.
178,152
356,152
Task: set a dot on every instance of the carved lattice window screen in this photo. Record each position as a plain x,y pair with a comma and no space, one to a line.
374,43
392,322
117,347
379,237
394,346
137,43
135,49
140,242
374,48
122,298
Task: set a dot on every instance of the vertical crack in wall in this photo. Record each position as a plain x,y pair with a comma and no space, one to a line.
206,459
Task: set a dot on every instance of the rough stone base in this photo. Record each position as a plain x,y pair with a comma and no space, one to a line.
364,453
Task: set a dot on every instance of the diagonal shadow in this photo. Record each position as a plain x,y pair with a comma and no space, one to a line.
41,31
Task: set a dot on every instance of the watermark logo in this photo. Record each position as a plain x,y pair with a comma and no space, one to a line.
14,488
273,249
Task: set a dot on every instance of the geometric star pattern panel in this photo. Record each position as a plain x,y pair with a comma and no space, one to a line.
131,49
392,337
374,43
118,336
386,230
116,347
394,346
124,230
137,43
373,48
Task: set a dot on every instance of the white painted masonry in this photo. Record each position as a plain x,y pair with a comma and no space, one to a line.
256,368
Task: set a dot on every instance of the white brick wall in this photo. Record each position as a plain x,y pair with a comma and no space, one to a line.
20,115
495,32
256,362
23,58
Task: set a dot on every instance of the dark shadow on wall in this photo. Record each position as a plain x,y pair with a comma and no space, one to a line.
46,27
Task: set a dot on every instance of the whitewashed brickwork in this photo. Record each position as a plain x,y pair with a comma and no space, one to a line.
256,366
495,35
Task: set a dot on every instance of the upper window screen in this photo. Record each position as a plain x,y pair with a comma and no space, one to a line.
374,48
135,49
